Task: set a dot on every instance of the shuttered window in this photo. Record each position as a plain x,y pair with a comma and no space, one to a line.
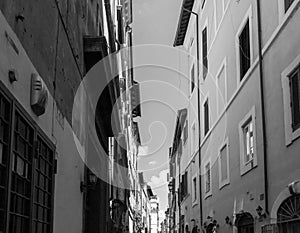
185,132
295,97
207,178
204,52
224,161
184,185
244,50
192,78
206,117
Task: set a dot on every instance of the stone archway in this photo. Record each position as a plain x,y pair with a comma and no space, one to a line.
288,215
281,197
245,223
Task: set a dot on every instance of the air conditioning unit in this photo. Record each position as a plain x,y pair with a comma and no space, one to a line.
39,95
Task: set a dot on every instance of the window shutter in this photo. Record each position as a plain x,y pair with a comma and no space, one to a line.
204,52
244,44
294,93
206,117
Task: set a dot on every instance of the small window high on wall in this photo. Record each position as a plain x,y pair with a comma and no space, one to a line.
287,4
244,50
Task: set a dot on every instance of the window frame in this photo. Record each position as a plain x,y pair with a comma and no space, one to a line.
225,182
247,17
185,132
246,166
194,190
225,6
296,71
192,83
204,58
203,3
290,134
206,100
207,193
193,138
223,68
17,108
282,12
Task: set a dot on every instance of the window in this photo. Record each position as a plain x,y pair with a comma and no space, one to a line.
294,80
287,4
204,52
288,214
223,165
194,138
29,161
218,13
207,179
248,142
194,189
185,132
192,78
290,78
184,185
244,50
5,123
221,80
206,117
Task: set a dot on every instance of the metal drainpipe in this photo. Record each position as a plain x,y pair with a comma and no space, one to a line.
199,112
261,74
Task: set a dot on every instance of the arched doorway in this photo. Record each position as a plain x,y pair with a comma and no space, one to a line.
245,223
288,215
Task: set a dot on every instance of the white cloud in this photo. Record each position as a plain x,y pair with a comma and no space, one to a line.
143,150
158,181
152,162
161,215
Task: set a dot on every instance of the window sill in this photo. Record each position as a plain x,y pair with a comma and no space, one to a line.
194,204
246,169
223,184
283,16
294,136
184,199
207,195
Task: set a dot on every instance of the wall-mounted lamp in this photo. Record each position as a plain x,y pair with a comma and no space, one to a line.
171,186
91,183
261,213
228,221
39,95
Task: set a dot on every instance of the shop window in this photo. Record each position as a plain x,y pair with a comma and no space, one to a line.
28,158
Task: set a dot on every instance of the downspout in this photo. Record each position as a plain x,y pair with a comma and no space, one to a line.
261,79
199,112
